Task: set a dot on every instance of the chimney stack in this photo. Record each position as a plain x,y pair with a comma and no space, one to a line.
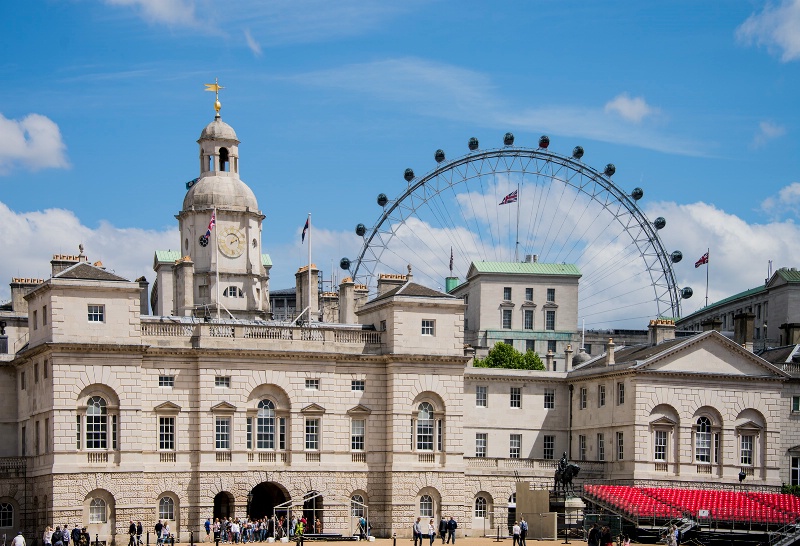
661,330
347,301
743,324
610,352
549,360
568,361
711,324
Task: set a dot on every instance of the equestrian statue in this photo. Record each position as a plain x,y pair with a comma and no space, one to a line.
564,474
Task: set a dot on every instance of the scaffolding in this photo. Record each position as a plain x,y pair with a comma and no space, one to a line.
338,517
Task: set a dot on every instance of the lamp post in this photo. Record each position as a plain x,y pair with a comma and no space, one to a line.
765,336
249,503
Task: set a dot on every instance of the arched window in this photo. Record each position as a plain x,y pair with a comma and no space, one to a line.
96,423
166,508
6,515
233,292
702,450
426,506
265,425
425,427
480,507
97,511
357,506
223,159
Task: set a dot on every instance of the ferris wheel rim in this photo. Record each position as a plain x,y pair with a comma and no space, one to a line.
669,294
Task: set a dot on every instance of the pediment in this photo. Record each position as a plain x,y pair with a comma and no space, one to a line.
795,449
313,409
223,407
663,422
749,425
710,353
167,407
359,410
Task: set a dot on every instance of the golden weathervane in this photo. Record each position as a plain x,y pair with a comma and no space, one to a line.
215,87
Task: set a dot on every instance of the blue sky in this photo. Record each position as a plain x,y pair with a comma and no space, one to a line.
103,103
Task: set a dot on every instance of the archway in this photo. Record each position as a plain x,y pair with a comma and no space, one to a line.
264,498
223,505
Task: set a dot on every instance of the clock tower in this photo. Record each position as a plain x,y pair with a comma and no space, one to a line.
227,264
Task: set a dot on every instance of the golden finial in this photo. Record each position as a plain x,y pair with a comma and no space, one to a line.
215,87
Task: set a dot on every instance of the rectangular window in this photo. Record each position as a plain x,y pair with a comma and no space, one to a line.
551,294
78,433
36,432
428,327
425,434
550,320
507,293
166,433
747,450
35,320
509,342
660,451
223,433
481,397
528,319
440,435
551,345
97,313
516,397
549,447
282,433
36,372
601,447
549,398
24,441
507,319
312,384
114,428
312,434
357,385
515,445
620,446
794,471
795,403
620,393
582,447
44,369
249,433
530,345
588,348
601,395
480,444
582,398
358,429
529,294
223,381
47,435
166,381
44,315
22,382
383,326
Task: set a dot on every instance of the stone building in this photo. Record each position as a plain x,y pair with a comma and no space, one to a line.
111,413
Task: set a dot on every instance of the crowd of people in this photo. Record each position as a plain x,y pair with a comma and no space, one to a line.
238,530
446,530
62,536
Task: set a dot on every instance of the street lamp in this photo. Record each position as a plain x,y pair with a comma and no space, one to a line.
249,503
765,336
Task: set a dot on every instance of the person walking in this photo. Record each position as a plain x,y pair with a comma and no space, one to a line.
207,525
451,530
417,531
132,533
19,540
431,532
515,534
139,531
443,529
158,528
523,531
594,535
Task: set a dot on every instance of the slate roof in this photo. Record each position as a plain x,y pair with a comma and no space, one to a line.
412,289
526,268
778,355
88,272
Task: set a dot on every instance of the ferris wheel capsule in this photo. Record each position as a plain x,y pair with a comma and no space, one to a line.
637,193
610,170
508,139
686,292
382,199
660,222
344,263
544,142
676,256
439,156
408,175
577,152
473,144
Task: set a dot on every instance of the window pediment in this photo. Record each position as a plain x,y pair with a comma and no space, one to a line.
550,305
528,304
223,407
663,422
167,407
359,411
795,450
749,426
313,409
507,304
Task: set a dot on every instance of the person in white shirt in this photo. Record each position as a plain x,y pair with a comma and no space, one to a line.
47,538
19,540
431,531
515,531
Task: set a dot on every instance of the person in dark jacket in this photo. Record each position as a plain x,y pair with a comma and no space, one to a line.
594,535
76,535
443,529
451,530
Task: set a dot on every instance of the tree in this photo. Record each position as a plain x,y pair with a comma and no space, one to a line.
503,355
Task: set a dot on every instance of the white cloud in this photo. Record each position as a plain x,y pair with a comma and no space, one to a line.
767,131
786,202
777,27
632,109
445,91
254,46
738,251
37,235
33,142
170,12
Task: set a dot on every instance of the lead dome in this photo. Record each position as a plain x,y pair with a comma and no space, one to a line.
218,130
221,192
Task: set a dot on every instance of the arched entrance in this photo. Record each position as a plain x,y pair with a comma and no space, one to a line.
264,498
223,505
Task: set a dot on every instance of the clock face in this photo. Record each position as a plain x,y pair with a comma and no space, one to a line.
232,242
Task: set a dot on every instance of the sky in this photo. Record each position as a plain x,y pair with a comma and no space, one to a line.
103,101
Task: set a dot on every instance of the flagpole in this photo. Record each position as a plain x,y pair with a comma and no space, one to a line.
708,260
216,248
516,248
309,267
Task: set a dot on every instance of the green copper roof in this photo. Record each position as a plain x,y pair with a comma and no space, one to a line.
527,268
266,261
789,275
168,255
716,304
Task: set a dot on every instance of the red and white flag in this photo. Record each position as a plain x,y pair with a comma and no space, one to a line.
702,261
510,198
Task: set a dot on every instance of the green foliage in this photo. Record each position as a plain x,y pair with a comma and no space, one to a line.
791,489
506,356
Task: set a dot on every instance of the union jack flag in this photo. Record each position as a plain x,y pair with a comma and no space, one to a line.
211,224
703,260
510,198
